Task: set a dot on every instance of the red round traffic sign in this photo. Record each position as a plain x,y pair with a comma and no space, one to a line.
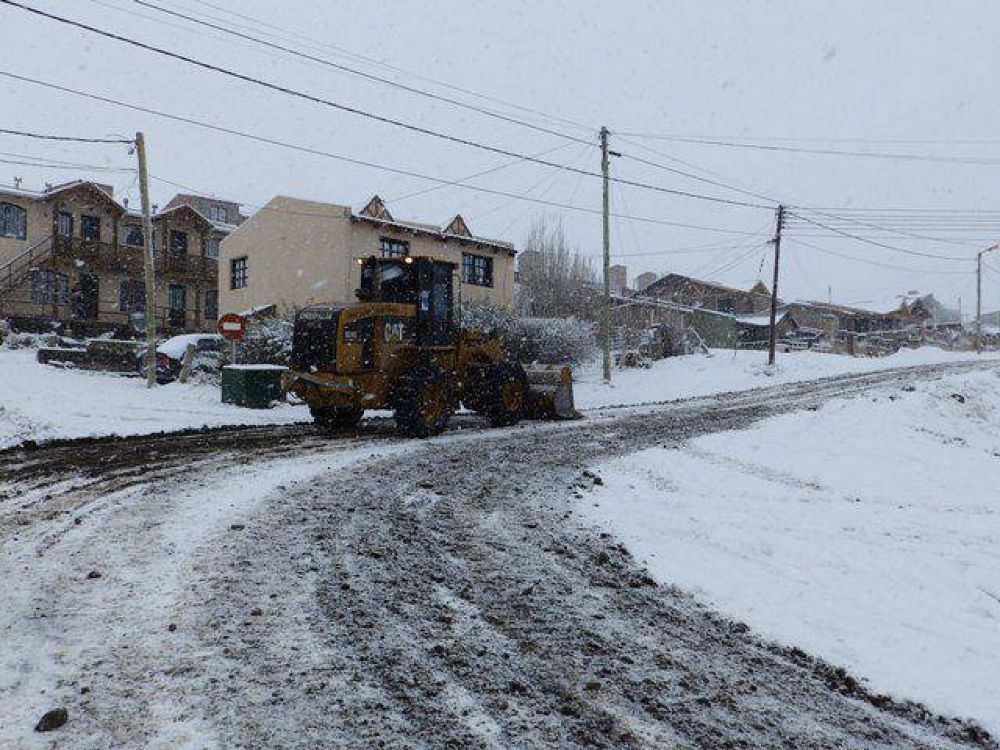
232,326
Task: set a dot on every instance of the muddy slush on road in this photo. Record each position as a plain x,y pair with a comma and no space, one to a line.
399,594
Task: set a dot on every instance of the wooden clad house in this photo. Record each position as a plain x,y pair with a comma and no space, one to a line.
72,255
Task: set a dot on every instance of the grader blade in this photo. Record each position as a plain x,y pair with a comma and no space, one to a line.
550,393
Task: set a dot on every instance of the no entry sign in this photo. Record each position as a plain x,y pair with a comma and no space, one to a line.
232,326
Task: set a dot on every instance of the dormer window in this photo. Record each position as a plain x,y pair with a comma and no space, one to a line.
218,213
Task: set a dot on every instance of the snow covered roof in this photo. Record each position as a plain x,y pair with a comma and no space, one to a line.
761,320
375,211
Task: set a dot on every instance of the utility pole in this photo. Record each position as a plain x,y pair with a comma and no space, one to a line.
979,295
772,338
147,231
606,316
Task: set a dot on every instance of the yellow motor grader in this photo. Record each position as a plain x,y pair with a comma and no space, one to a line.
400,347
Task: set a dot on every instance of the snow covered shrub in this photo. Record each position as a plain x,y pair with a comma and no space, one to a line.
268,342
556,340
545,340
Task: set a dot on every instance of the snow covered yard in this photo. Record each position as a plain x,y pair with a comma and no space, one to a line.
39,402
726,370
866,532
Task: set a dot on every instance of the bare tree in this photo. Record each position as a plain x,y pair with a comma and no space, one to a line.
555,279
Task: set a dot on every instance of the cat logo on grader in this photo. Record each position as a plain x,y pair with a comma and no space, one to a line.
400,347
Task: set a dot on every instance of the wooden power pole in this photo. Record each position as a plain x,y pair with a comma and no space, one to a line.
606,307
773,335
979,294
150,276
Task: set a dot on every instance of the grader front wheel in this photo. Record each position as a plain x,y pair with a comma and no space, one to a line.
336,418
424,402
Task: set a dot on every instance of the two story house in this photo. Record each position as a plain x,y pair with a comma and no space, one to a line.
293,253
73,255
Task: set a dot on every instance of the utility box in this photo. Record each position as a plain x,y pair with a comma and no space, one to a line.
252,386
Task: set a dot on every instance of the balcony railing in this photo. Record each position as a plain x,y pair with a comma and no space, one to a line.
104,256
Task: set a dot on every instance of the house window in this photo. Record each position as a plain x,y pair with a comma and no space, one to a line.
49,287
218,213
134,237
178,305
90,228
178,242
212,248
131,296
477,270
211,304
13,221
65,227
238,273
394,248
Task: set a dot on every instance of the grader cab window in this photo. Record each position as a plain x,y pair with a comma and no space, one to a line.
387,282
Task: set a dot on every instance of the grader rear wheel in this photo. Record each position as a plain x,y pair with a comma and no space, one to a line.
507,386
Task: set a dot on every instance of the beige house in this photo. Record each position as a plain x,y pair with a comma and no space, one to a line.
73,254
294,253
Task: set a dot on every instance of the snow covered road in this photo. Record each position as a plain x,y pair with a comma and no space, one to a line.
369,590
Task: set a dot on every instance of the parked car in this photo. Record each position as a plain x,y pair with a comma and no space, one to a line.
170,354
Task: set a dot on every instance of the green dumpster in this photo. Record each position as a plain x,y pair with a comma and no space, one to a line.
253,386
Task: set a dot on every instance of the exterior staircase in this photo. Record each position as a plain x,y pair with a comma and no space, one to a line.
15,271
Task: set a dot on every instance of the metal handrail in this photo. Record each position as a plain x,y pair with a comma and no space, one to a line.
29,254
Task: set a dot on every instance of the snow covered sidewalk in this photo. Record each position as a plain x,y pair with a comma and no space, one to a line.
39,402
866,532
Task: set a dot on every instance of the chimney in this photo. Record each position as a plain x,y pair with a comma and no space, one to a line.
125,202
17,183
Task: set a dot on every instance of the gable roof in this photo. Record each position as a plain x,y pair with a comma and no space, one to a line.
184,208
97,190
458,227
670,278
376,209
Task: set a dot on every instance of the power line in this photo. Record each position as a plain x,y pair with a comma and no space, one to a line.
882,244
830,152
870,262
781,139
880,227
70,138
381,64
355,71
346,159
484,172
362,113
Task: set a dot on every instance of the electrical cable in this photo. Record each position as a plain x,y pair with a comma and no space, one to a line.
70,138
345,159
359,112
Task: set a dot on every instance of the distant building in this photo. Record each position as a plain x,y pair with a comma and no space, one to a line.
708,295
619,278
643,280
294,253
73,254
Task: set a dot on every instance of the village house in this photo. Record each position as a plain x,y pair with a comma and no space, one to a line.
708,295
294,253
73,255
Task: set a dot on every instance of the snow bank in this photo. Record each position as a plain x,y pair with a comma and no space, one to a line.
865,532
38,402
726,370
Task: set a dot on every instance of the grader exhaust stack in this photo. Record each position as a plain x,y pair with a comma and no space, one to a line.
550,393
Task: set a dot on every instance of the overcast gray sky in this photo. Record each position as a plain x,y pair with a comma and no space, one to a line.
822,73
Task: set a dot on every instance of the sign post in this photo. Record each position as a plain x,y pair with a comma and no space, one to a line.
232,327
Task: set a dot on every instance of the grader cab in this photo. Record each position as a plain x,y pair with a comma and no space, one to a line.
400,347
